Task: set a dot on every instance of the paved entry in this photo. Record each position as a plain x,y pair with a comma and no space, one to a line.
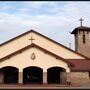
10,75
53,75
32,75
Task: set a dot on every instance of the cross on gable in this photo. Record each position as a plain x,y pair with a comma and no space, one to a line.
31,39
81,21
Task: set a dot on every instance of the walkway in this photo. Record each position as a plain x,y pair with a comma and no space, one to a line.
42,86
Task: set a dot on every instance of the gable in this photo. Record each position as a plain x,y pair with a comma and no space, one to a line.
43,59
41,40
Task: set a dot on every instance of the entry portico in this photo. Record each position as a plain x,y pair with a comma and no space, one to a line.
34,56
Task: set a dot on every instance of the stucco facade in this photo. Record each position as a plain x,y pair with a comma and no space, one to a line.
42,60
49,54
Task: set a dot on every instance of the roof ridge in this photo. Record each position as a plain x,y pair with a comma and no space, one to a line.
44,37
31,30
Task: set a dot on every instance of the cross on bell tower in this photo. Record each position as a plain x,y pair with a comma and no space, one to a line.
32,39
82,39
81,21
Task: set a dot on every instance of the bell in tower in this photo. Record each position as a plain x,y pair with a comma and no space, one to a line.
82,39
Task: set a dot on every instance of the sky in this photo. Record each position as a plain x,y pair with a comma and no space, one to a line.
54,19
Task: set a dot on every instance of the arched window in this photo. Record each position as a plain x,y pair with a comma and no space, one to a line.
83,38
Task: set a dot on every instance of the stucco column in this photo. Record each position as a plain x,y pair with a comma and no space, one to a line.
20,78
44,77
1,77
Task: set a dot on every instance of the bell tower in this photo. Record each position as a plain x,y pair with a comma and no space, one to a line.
82,39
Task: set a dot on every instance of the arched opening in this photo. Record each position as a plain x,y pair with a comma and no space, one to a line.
10,75
54,75
32,75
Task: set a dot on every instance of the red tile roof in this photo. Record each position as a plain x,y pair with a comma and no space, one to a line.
80,64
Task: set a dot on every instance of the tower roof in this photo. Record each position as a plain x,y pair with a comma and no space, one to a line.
81,28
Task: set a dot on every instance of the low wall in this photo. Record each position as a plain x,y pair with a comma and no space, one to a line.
78,78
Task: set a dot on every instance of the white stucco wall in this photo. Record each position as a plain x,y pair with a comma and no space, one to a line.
42,60
41,41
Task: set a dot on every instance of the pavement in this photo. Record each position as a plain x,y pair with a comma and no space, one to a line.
42,86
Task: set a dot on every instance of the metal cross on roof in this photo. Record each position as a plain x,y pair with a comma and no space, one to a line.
81,21
31,39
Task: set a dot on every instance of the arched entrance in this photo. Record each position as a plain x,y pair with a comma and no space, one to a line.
54,75
10,75
32,75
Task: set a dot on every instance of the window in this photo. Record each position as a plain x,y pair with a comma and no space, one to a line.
83,38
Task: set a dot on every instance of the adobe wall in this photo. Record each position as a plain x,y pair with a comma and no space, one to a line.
79,78
83,48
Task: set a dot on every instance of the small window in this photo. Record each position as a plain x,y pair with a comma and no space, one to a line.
83,38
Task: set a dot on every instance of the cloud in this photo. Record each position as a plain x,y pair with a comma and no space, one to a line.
23,11
37,4
5,8
52,26
56,22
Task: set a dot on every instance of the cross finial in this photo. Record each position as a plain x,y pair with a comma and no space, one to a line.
31,39
81,21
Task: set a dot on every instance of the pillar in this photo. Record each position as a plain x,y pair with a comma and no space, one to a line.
44,77
1,77
20,78
63,77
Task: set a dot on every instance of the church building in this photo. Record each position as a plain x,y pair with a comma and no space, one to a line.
33,58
